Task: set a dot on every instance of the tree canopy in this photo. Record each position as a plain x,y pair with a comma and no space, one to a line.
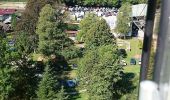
85,25
123,19
98,35
98,71
52,39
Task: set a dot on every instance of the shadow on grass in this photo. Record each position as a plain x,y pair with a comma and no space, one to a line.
125,85
71,92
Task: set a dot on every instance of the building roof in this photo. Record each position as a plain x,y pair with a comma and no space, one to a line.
139,10
7,11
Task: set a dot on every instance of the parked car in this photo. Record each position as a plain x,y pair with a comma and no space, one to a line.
132,61
71,83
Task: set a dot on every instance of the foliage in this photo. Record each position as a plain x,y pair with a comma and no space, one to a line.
71,53
14,21
92,2
85,25
23,43
29,18
49,28
123,19
98,35
49,88
48,85
6,76
99,70
72,27
134,1
85,67
25,79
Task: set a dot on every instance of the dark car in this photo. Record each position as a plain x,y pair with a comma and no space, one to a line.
133,61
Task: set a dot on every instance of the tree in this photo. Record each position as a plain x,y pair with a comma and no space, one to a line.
49,88
85,25
49,28
25,77
6,70
29,19
98,35
123,20
100,71
105,74
48,85
85,67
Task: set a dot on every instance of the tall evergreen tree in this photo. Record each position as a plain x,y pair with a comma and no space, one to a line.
99,71
98,35
49,28
85,25
123,20
49,87
105,73
86,65
29,19
6,70
25,68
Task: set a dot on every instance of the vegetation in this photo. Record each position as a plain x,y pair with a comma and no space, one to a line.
49,88
98,35
115,3
29,19
123,21
51,37
99,69
85,25
6,79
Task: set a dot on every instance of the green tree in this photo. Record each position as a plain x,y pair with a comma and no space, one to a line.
123,20
49,28
25,69
49,87
6,70
85,67
98,35
85,25
99,71
105,74
29,19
